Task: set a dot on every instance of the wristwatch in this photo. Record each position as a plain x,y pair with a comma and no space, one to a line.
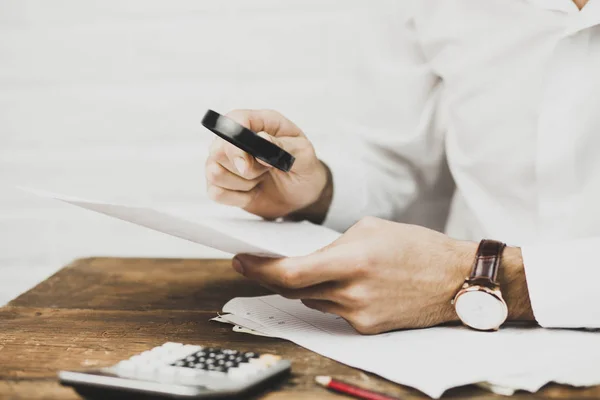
479,303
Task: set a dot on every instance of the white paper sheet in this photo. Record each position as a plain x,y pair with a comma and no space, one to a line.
436,359
232,235
509,388
244,327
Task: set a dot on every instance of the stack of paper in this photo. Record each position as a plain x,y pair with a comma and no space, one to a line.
431,360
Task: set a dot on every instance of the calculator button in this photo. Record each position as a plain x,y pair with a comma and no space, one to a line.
146,371
161,354
237,374
186,351
267,359
192,348
179,356
137,359
159,350
125,366
191,377
242,372
146,355
167,370
172,345
248,367
258,365
189,373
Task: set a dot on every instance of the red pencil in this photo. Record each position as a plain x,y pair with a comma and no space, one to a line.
346,388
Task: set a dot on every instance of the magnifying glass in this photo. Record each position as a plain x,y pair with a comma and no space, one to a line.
247,140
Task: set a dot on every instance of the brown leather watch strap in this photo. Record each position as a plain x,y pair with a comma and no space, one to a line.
487,261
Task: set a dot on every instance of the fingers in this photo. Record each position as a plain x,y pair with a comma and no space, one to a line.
292,145
235,160
325,306
363,323
296,272
225,185
242,163
231,197
245,165
271,126
269,121
351,295
321,291
268,124
217,175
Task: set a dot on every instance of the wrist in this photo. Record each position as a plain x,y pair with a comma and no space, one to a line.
316,211
464,253
511,278
513,284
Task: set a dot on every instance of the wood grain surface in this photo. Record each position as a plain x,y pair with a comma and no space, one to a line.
97,311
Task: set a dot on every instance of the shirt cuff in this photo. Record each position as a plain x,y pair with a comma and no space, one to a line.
349,192
562,280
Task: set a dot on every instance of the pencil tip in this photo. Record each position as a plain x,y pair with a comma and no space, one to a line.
323,380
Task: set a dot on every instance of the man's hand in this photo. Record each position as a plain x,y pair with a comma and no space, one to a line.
381,276
235,178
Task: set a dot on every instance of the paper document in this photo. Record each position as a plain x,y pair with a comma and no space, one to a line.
432,360
231,235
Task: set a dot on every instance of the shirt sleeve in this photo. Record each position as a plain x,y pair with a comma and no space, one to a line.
393,150
562,279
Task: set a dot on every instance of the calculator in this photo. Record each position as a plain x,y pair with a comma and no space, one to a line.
179,371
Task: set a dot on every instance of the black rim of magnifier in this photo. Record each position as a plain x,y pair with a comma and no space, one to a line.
247,140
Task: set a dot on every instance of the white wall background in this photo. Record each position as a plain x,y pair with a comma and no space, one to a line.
103,98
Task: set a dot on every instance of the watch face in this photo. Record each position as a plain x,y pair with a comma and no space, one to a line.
481,310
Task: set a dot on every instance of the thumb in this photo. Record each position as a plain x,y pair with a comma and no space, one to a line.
285,143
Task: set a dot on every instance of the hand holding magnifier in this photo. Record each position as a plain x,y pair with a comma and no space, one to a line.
248,141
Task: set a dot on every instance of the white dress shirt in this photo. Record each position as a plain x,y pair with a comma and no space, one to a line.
508,91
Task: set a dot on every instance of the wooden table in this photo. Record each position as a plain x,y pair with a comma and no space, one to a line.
97,311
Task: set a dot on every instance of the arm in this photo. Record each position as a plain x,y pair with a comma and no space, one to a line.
382,275
392,150
554,283
386,157
511,277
